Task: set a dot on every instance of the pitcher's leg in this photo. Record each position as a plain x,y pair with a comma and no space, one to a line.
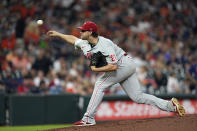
132,88
96,98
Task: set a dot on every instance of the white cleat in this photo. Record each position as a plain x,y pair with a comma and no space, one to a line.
83,123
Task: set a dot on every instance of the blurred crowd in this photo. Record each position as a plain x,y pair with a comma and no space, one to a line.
160,35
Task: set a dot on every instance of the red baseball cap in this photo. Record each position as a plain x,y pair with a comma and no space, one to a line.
89,26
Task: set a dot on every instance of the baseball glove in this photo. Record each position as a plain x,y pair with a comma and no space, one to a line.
98,60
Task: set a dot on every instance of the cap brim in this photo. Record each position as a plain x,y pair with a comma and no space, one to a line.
81,28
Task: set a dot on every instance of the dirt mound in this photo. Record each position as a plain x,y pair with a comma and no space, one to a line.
176,123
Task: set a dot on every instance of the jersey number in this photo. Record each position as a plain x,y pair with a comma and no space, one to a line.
113,57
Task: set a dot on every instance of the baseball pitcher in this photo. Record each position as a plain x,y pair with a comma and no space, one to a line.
117,66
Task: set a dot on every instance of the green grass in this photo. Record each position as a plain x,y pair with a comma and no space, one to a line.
31,128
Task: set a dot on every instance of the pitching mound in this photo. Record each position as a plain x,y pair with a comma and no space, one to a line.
176,123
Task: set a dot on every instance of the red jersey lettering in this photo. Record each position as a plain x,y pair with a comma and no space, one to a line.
113,57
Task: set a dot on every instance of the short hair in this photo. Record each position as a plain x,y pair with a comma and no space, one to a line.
94,34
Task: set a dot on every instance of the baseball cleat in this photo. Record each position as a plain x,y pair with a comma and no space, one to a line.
83,123
178,107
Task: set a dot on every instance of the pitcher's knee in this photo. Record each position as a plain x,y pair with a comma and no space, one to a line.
102,86
138,99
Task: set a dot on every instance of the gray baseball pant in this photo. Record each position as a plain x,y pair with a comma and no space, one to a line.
126,76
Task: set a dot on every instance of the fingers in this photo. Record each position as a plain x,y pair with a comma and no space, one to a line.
50,33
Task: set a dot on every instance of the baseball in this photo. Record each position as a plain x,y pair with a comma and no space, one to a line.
39,22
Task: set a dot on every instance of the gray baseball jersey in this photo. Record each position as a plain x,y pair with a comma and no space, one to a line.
104,45
125,75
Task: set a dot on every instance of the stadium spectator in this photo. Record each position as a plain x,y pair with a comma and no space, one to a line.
173,84
159,34
42,62
161,80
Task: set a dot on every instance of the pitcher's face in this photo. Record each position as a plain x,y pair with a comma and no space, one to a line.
85,34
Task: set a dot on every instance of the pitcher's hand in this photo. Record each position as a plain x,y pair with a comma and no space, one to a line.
93,68
52,33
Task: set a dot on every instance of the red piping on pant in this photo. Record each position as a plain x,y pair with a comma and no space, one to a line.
97,91
95,96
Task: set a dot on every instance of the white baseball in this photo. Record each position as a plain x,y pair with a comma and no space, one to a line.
39,22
